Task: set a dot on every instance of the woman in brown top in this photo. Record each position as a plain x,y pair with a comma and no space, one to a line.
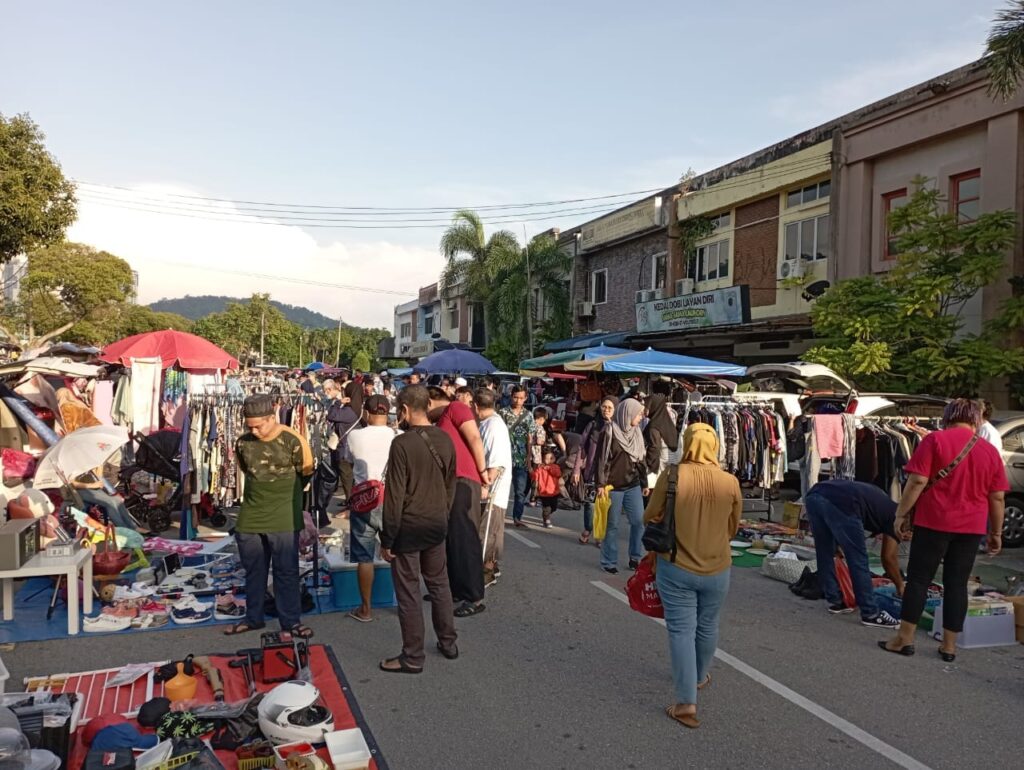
693,586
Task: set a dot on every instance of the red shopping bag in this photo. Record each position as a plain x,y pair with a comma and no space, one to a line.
642,591
845,582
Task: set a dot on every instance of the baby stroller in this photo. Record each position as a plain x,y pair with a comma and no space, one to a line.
159,456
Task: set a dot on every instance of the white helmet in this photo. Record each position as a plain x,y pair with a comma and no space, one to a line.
292,711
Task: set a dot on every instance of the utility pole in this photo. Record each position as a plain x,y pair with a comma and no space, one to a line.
529,291
263,332
301,335
337,352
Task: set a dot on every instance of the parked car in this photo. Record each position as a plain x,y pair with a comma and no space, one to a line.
1011,427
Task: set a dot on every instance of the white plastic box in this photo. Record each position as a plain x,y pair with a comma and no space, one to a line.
348,749
981,630
4,676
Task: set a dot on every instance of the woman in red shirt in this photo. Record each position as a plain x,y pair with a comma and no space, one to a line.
954,510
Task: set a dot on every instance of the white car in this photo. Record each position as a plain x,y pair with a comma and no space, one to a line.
1011,427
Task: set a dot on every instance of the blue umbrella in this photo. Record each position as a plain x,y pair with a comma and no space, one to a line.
316,366
455,362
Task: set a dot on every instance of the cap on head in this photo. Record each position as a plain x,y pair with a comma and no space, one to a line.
376,405
460,382
260,405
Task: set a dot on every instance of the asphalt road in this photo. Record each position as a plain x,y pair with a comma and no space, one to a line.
559,673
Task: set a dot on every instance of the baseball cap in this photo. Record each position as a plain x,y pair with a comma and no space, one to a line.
460,382
377,405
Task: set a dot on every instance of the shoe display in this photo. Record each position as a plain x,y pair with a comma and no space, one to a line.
229,608
189,616
839,609
106,623
882,620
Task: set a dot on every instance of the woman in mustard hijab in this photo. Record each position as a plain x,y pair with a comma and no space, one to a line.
694,584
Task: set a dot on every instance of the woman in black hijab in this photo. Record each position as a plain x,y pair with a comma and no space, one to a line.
587,458
661,435
344,414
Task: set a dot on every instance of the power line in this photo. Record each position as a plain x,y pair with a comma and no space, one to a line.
410,209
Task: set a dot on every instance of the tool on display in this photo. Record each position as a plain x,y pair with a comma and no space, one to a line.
284,656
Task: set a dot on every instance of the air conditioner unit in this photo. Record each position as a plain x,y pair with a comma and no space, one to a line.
585,309
684,286
790,268
640,296
656,294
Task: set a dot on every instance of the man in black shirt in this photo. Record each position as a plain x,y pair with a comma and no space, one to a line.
418,494
840,511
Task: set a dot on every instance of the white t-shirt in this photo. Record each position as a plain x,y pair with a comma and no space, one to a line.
368,450
988,432
498,454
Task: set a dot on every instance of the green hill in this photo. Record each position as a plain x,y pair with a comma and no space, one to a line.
195,308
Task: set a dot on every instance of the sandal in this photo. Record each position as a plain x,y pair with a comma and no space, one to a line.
301,632
906,650
399,666
705,683
356,616
242,628
468,610
686,720
584,538
451,654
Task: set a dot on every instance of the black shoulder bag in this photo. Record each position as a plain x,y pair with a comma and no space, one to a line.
660,536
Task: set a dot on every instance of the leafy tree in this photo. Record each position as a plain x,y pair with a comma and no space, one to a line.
474,260
361,361
904,330
239,328
514,307
1005,50
37,203
69,289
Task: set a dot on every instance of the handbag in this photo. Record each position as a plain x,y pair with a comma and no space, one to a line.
17,465
943,474
110,561
660,536
642,590
367,496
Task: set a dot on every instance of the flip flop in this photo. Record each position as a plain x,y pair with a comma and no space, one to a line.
301,632
401,668
686,720
242,628
356,616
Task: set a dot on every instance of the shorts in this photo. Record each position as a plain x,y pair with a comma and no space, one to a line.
363,545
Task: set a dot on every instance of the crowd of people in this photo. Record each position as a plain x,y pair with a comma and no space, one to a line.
429,473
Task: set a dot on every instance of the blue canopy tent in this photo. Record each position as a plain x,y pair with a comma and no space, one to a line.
316,366
653,361
455,362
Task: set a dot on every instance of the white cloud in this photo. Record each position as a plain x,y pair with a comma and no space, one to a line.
178,255
868,84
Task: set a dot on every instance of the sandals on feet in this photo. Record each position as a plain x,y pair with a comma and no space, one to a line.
686,720
242,628
705,683
906,650
451,654
584,538
399,666
356,616
301,632
468,610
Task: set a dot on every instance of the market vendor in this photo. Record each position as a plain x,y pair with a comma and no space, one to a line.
840,511
276,462
89,488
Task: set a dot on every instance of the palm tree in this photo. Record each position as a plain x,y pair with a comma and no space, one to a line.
1005,50
473,260
514,304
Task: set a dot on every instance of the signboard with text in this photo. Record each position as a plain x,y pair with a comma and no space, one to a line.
721,307
637,218
418,349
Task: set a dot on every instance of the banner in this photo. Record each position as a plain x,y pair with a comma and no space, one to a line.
721,307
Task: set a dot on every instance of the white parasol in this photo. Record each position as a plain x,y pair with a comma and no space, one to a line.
78,453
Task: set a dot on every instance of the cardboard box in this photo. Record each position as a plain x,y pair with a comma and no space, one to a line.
1018,615
791,514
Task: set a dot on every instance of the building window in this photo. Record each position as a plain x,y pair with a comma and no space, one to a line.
721,221
659,263
890,202
453,315
965,195
428,324
809,239
809,193
599,286
713,261
405,331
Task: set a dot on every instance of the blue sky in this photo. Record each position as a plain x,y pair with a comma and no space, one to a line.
427,104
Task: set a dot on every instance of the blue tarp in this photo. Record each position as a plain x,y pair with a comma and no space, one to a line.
588,340
652,361
455,362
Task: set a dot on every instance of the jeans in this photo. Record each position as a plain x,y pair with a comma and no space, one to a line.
956,551
692,605
833,526
631,502
114,507
257,553
521,491
588,517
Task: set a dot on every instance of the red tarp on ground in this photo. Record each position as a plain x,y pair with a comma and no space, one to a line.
327,676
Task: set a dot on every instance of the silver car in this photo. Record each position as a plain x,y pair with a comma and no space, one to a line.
1011,427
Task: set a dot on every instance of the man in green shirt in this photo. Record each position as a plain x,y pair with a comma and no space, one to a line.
277,463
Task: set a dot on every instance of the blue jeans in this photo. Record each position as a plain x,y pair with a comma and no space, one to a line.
521,490
363,531
631,502
114,507
257,553
588,517
833,526
692,605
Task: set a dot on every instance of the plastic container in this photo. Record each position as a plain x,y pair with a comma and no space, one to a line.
981,630
345,586
887,600
348,749
4,676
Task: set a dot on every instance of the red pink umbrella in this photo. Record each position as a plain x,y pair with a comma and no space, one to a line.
185,350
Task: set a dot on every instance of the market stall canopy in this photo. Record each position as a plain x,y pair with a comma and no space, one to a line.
557,361
175,348
315,366
653,361
78,453
61,367
588,340
455,362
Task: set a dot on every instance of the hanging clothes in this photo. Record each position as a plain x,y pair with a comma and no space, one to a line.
103,401
146,377
121,409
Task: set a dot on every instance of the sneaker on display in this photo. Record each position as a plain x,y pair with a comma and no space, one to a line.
882,620
839,609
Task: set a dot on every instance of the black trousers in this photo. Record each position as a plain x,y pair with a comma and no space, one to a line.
465,552
956,552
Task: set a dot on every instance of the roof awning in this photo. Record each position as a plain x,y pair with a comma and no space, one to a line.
653,361
588,341
556,361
